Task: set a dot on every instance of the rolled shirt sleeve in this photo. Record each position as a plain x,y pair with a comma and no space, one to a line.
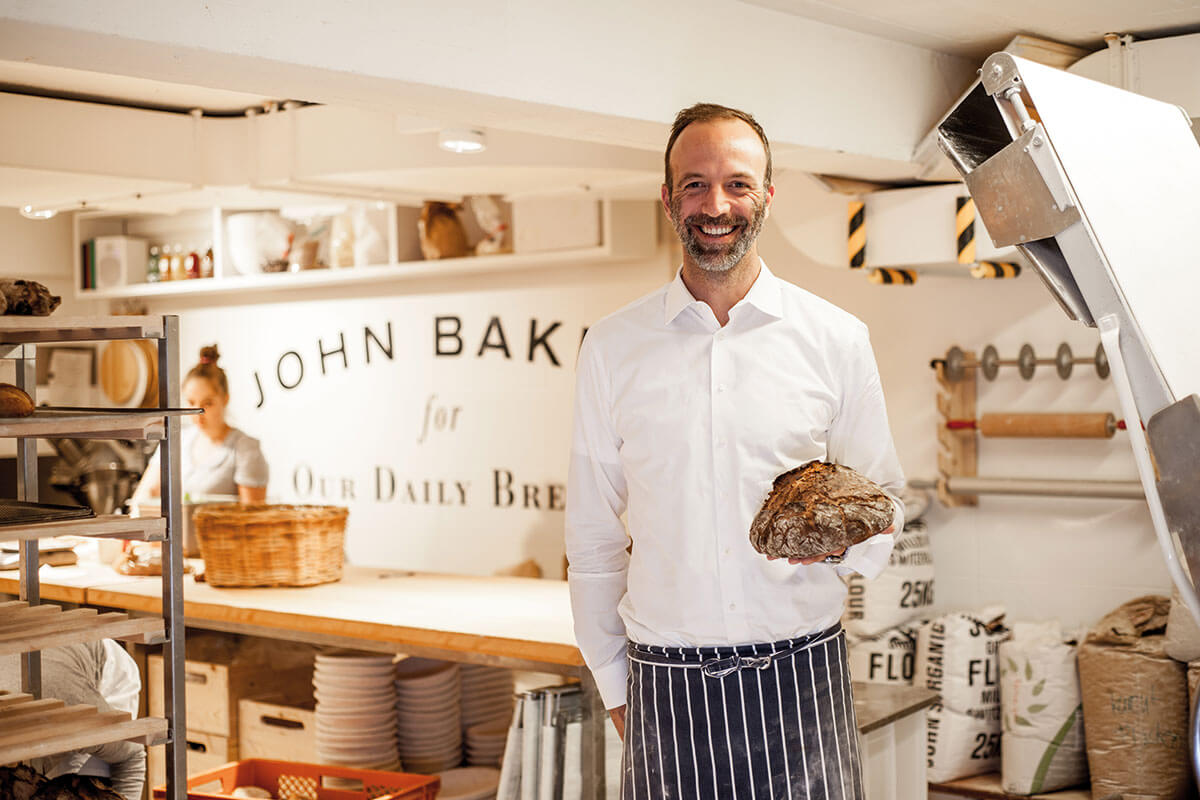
860,438
596,539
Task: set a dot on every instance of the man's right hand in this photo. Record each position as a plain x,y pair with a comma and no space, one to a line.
618,718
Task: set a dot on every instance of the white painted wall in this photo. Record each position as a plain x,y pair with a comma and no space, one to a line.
471,429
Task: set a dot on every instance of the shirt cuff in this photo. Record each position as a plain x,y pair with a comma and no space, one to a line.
611,682
869,557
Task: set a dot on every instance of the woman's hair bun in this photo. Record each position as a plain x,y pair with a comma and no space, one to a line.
209,354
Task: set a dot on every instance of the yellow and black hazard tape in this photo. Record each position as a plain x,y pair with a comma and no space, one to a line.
995,269
964,229
887,276
857,236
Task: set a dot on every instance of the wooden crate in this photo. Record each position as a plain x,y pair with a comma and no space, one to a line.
216,683
274,729
205,751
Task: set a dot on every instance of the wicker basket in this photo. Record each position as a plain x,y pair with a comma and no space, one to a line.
271,545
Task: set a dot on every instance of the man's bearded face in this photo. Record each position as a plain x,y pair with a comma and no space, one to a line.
717,244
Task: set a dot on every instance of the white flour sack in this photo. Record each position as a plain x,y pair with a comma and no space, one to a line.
890,657
956,657
1042,711
902,592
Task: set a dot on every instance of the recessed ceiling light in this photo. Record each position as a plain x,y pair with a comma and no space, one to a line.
462,140
32,212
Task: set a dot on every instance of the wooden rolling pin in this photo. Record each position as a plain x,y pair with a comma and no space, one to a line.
1099,425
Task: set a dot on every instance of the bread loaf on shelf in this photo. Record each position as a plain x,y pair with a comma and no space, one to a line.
14,402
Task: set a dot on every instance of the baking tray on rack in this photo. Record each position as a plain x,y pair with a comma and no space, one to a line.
20,512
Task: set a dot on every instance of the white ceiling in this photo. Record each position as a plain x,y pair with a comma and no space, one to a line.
967,28
978,28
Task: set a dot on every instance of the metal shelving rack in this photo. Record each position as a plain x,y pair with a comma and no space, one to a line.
31,727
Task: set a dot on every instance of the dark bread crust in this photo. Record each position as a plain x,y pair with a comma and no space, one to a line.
819,508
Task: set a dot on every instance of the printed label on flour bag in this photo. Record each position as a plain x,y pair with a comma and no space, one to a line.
901,593
890,657
957,657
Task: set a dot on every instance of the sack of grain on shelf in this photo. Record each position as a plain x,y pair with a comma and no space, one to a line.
901,592
956,657
1042,711
1135,711
889,657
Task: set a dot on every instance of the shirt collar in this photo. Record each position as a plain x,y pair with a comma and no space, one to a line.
765,294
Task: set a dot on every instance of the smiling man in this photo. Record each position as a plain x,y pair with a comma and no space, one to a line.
724,671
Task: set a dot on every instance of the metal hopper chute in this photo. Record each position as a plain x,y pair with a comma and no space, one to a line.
1100,188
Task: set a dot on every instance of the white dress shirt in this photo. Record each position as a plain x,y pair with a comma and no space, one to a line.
683,425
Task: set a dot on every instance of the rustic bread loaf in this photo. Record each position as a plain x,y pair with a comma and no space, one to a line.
819,508
14,402
27,298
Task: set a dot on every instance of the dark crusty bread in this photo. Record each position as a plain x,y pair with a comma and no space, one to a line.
819,508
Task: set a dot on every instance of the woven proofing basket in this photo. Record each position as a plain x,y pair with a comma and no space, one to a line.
271,545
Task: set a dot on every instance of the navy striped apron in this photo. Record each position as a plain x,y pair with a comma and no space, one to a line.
760,722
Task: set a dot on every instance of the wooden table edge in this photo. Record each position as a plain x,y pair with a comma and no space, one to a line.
196,613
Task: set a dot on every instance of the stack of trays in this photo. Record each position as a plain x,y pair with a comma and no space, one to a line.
487,707
429,727
485,743
356,710
469,783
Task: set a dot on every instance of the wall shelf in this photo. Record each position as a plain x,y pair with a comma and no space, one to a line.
565,232
348,276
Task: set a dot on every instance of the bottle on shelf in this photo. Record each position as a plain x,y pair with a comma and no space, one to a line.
191,263
152,266
177,271
206,263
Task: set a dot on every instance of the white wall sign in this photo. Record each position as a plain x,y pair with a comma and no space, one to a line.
441,421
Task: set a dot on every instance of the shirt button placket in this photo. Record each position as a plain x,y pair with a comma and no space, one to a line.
722,474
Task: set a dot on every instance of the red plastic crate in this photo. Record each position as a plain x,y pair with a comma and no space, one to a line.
298,781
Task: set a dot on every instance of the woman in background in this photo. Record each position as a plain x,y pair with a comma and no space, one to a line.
216,458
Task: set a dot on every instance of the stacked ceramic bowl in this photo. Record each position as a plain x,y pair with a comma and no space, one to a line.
487,707
429,727
469,783
356,710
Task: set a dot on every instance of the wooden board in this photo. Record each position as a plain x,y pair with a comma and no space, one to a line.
520,618
18,330
35,728
90,423
24,628
108,526
987,787
877,704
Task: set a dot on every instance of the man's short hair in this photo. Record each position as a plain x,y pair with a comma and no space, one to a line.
710,112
